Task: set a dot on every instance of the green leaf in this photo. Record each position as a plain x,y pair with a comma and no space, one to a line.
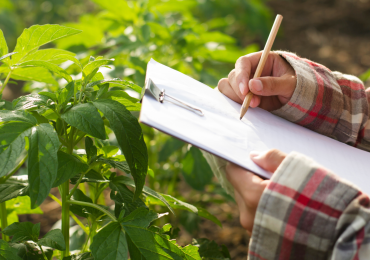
7,252
49,66
33,73
6,56
84,256
110,243
23,231
54,239
124,198
30,101
146,190
37,35
169,147
123,166
209,250
22,205
205,214
50,95
42,162
196,170
116,8
3,46
68,166
92,68
127,84
12,144
154,246
90,148
122,97
19,116
66,94
130,138
90,176
6,105
85,117
365,76
55,56
10,191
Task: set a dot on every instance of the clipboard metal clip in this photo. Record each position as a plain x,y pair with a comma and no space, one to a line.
161,96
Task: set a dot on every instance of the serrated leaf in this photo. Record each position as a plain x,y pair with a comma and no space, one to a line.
3,46
38,35
30,101
117,81
19,116
92,68
123,166
124,199
12,144
130,138
68,166
196,170
66,94
54,239
33,73
209,250
110,243
42,162
86,118
148,191
11,191
154,246
55,56
49,66
7,252
23,231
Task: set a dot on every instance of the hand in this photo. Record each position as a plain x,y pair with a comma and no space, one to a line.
271,91
249,187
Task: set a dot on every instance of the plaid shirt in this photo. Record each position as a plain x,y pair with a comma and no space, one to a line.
306,212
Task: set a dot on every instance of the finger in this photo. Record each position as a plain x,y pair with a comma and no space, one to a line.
225,88
248,185
269,160
245,217
255,102
273,86
244,68
233,84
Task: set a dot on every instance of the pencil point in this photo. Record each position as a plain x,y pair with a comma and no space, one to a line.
241,118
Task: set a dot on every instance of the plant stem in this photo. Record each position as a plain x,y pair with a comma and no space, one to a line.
92,205
65,217
6,81
77,183
43,253
82,226
4,219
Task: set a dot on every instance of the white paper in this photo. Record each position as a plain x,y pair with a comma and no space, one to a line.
221,133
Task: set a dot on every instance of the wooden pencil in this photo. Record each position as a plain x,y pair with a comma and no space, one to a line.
261,64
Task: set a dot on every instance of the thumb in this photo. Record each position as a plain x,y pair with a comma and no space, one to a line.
273,86
269,160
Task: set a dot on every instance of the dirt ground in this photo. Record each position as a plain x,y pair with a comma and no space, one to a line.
335,33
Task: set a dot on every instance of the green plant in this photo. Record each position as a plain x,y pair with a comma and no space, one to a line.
62,138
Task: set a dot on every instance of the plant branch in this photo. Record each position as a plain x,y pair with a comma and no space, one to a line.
92,205
77,183
82,226
6,81
65,217
4,219
43,253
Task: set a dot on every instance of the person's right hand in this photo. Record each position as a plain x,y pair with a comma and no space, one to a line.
271,91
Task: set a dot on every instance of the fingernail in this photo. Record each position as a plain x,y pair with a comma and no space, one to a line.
257,85
254,154
242,87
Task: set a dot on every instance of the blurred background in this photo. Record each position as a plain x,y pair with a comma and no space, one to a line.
202,38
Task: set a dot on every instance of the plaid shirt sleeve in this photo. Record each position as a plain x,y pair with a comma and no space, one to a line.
330,103
307,212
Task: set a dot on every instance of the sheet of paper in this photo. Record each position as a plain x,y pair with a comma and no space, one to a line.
220,131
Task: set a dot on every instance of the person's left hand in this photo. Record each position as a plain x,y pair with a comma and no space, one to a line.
249,187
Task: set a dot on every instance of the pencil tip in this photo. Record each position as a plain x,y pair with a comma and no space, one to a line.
241,118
